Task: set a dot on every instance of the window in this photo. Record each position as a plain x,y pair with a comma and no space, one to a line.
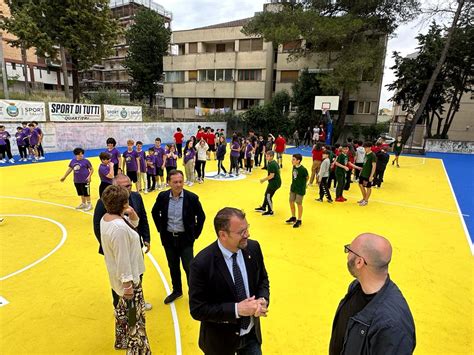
174,76
289,76
178,102
180,49
14,66
244,104
292,45
192,75
193,48
220,47
253,44
116,53
250,75
228,75
192,103
364,107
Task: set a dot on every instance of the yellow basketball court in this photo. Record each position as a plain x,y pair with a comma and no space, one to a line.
58,292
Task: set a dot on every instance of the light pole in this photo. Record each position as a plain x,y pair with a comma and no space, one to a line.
4,69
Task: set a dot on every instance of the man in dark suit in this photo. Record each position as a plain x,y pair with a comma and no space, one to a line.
136,202
179,218
229,288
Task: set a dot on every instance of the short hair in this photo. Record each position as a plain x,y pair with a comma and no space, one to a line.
111,141
139,142
24,122
325,152
114,198
151,149
19,128
2,126
78,151
34,122
349,139
345,146
298,156
157,139
178,129
367,144
130,141
31,125
104,156
270,153
173,173
223,216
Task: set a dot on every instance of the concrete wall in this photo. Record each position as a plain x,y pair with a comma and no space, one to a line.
59,137
449,146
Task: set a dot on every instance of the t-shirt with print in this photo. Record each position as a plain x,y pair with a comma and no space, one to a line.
298,182
341,159
159,153
275,182
367,168
248,150
80,169
114,155
150,166
141,156
20,139
190,154
131,160
235,153
104,170
33,137
170,161
4,135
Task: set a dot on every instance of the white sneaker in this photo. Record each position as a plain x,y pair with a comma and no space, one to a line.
191,184
145,191
88,207
81,206
41,158
12,160
2,161
148,306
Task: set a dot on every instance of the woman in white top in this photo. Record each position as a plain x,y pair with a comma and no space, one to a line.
201,150
124,261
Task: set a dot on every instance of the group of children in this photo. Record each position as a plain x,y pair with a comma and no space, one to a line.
29,138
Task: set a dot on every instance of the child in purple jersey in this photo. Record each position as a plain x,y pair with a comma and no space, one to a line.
106,172
150,169
82,177
171,159
4,148
160,160
132,162
115,156
33,138
40,142
248,155
142,167
20,142
234,155
189,161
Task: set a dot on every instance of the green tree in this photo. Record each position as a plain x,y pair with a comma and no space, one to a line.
148,40
348,36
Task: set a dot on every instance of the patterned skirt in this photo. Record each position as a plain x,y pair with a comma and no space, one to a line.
130,332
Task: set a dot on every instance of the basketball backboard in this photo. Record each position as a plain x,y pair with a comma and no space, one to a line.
326,103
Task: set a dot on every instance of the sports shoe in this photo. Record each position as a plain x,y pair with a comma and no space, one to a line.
35,160
340,199
297,224
12,160
360,201
201,181
268,213
148,306
398,166
363,203
173,296
88,207
291,220
81,206
41,158
393,162
319,199
191,183
330,201
260,209
2,161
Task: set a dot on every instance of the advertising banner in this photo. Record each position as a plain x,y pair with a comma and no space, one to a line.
19,111
122,113
67,112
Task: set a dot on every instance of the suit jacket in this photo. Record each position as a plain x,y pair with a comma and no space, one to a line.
136,202
193,218
212,296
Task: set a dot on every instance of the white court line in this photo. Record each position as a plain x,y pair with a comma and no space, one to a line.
466,231
417,164
150,256
63,239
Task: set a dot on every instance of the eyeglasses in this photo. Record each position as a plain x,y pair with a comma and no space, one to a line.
347,249
243,232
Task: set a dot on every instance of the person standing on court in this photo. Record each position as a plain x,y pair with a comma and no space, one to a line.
229,289
179,218
274,183
373,317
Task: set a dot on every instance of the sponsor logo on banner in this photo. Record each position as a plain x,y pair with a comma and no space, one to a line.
18,111
67,112
122,113
224,177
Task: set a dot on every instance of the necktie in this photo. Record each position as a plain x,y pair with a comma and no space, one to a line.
240,289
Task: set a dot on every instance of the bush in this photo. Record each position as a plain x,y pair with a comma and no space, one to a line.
107,97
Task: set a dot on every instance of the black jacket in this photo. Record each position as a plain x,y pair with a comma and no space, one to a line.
382,160
221,150
193,218
212,296
385,326
136,202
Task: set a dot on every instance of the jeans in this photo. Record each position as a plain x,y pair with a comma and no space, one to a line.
249,344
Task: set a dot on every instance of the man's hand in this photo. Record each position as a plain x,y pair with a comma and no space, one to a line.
147,245
262,308
248,307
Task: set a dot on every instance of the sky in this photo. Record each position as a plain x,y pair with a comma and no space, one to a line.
188,14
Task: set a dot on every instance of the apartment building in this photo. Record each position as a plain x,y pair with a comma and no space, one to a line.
111,74
217,68
42,73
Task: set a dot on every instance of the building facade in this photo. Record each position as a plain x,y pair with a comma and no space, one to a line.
215,69
111,74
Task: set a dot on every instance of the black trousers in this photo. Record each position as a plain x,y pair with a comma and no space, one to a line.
175,254
267,200
234,164
179,148
103,185
258,157
378,178
23,152
248,164
40,150
347,186
200,168
151,181
357,171
220,166
324,189
340,182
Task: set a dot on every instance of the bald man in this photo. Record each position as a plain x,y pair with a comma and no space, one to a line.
373,317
